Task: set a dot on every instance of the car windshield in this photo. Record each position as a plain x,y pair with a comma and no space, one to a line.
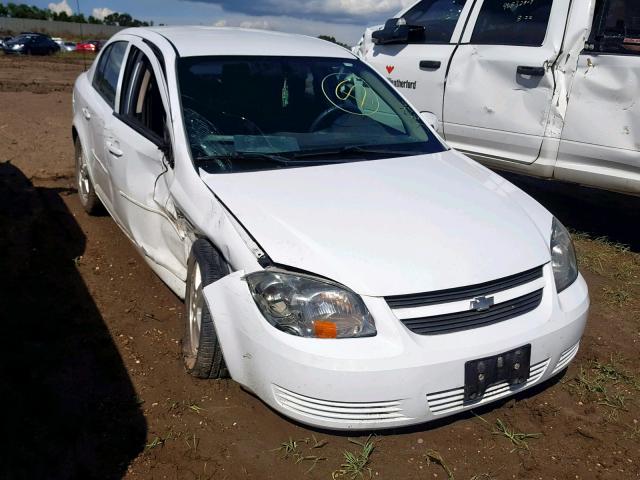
254,113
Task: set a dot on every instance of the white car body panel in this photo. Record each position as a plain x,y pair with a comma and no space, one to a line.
393,379
380,227
341,235
578,122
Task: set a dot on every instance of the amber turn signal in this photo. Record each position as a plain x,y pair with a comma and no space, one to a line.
325,329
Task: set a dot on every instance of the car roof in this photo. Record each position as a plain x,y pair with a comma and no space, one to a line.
199,41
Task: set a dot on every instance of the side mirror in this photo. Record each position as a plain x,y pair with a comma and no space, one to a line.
396,31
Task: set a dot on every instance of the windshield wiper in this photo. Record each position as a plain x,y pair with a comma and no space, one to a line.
352,149
270,157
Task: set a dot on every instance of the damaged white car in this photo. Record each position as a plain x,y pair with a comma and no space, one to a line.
336,257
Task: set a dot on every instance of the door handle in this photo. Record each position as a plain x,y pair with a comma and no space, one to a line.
114,150
532,71
430,64
86,113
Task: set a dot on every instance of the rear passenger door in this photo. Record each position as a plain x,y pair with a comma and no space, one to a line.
418,69
500,84
601,134
101,106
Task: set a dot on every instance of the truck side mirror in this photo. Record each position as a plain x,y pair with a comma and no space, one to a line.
396,31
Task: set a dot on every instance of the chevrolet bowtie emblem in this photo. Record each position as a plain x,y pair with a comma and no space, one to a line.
481,304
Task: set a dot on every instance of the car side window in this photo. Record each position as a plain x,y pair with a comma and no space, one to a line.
105,79
439,17
512,22
141,105
616,27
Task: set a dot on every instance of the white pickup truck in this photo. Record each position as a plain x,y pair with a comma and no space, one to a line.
549,88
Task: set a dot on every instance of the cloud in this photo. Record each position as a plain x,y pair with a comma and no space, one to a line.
347,33
259,24
100,13
339,11
63,6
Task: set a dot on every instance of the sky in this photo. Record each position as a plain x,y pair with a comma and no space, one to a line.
343,19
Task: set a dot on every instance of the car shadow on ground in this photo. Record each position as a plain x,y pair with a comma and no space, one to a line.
596,212
70,409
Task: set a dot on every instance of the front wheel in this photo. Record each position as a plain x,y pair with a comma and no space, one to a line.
201,348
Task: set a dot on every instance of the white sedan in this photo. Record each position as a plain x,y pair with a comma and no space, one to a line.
335,256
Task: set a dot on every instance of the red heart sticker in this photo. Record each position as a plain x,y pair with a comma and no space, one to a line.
390,68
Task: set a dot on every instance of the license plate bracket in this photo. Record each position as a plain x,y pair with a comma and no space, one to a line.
513,367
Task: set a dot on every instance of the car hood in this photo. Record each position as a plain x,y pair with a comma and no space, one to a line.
392,226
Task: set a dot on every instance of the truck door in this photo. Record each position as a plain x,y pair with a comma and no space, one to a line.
501,81
601,135
418,69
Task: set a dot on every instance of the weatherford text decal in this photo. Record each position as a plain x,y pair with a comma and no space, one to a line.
404,83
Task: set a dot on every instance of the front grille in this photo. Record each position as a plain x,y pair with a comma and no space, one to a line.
453,322
463,293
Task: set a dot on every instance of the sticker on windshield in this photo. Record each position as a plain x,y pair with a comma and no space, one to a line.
350,93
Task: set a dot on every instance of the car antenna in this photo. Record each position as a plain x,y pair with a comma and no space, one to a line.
84,53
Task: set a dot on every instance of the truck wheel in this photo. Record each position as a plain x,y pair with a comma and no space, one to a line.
201,349
88,198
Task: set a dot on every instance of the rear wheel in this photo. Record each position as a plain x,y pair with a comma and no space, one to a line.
201,348
86,193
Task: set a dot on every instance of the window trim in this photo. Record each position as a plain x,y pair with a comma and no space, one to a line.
476,16
98,71
134,59
453,32
139,128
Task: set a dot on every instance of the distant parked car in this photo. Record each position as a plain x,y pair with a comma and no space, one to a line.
93,46
68,47
31,44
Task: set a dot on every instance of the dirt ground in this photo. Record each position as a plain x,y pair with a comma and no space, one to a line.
91,377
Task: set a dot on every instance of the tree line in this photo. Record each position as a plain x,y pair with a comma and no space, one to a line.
22,10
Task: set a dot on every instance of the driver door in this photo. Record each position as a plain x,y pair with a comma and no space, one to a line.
140,167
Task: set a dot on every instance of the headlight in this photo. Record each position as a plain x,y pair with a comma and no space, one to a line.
310,307
563,256
17,46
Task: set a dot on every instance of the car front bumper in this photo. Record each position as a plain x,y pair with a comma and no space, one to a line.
396,378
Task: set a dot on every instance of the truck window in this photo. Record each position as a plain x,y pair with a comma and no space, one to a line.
439,17
616,27
512,22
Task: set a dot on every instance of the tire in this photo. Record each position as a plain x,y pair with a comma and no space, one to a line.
201,350
86,193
